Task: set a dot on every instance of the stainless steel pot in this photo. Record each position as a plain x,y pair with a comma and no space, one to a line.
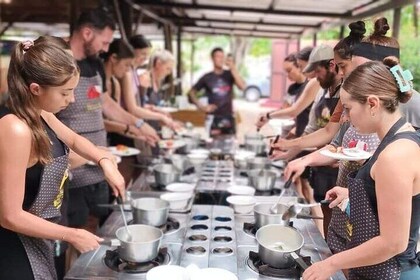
252,136
150,211
180,162
166,174
262,180
258,163
256,146
144,245
263,216
279,246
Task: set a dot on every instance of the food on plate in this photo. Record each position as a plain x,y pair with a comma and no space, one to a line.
333,149
121,148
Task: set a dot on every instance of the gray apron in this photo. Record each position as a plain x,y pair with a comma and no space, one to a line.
337,236
363,222
47,205
84,116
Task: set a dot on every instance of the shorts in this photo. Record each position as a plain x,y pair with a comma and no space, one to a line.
322,179
83,202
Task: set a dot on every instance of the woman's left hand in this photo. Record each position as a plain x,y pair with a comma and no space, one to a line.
319,271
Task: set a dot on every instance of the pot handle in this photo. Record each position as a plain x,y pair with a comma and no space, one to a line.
110,242
299,260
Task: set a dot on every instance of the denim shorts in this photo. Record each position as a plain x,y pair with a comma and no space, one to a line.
409,271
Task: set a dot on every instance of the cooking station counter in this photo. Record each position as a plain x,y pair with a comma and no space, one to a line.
209,236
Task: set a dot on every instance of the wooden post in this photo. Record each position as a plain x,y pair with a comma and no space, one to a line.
314,40
127,18
179,60
396,23
341,35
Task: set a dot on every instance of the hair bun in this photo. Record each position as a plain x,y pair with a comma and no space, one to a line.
381,26
391,61
357,29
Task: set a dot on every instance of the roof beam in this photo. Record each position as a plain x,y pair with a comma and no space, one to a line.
260,22
247,29
228,33
154,3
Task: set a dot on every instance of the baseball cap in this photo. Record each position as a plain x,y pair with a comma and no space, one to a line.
319,53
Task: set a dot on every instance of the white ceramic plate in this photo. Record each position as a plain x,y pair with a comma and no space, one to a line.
180,187
171,144
128,151
168,109
164,272
117,160
342,156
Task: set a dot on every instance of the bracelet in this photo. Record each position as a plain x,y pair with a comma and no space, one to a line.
127,129
139,123
268,115
99,161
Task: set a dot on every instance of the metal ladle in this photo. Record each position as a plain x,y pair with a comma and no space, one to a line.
121,203
295,209
274,209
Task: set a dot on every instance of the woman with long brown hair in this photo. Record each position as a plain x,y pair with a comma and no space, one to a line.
34,147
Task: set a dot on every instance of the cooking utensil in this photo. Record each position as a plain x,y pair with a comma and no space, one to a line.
262,180
263,215
261,119
144,245
295,209
121,203
256,146
279,246
150,211
287,185
166,174
180,162
258,163
270,152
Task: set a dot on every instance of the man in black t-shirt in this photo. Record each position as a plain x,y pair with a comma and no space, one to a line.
218,85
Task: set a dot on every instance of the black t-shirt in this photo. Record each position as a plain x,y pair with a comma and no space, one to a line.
302,119
90,66
218,89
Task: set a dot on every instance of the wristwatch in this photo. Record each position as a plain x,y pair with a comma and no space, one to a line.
139,123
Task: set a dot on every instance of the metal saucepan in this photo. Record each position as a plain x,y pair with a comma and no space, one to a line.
180,162
279,246
150,211
166,174
258,163
256,146
144,245
251,136
262,180
263,215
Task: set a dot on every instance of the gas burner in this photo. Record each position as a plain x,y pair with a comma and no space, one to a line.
224,180
268,193
156,186
226,228
222,250
251,229
170,225
199,227
113,261
222,239
209,179
198,237
196,250
200,217
223,219
255,263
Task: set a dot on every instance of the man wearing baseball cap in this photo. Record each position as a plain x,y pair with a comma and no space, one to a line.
318,54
